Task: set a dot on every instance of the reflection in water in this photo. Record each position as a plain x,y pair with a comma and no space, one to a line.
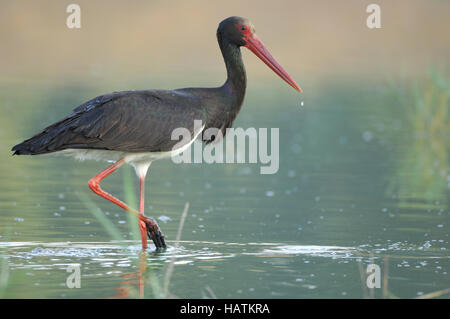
423,171
133,279
134,275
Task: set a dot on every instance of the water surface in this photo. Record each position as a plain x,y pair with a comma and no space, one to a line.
358,183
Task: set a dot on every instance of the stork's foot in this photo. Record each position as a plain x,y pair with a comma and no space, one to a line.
155,234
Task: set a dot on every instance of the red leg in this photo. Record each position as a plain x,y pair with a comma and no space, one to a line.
142,226
95,187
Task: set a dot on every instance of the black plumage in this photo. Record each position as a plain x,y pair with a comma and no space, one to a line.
130,121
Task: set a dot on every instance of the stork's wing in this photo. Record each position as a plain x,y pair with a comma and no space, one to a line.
130,121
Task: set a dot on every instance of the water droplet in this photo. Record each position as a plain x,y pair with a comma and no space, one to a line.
164,218
270,193
367,136
291,173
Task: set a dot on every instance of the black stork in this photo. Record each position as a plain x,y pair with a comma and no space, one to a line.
135,127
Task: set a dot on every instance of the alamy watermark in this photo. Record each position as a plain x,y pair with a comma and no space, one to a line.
74,279
373,272
373,21
73,20
238,146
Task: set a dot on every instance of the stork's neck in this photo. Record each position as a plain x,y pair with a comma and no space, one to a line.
236,77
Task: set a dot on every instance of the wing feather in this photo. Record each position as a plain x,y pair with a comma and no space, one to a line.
130,121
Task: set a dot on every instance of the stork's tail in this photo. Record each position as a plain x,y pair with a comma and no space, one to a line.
41,143
28,147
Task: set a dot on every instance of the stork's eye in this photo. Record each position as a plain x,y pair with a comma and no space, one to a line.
244,29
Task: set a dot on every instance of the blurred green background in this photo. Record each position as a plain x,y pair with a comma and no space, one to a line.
364,164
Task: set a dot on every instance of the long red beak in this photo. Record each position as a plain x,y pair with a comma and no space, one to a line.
257,47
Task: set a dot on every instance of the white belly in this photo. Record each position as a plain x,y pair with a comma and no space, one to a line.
112,156
139,160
